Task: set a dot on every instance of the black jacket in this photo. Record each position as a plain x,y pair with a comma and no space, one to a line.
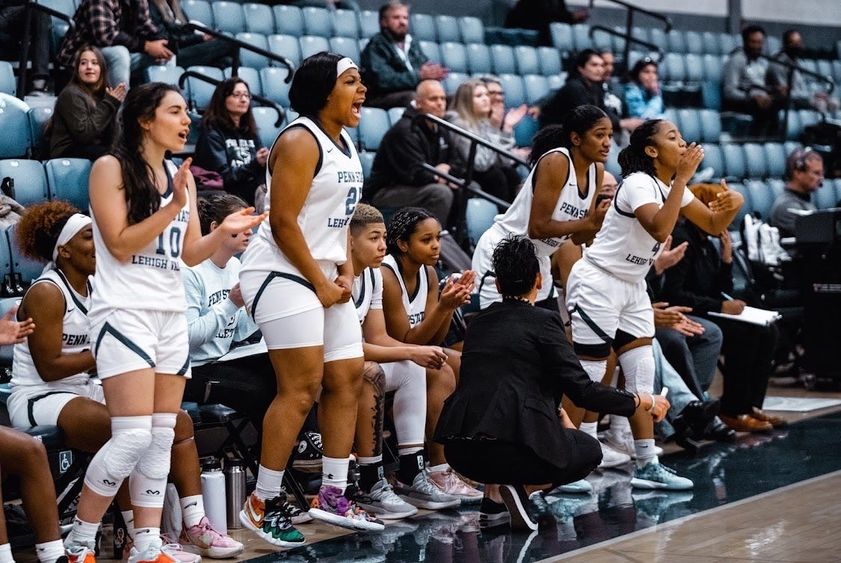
409,143
233,155
576,92
515,367
384,70
78,119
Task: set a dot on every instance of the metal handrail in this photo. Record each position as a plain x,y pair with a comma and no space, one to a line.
469,187
628,38
266,102
629,23
27,38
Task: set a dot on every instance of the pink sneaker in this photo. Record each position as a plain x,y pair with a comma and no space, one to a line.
452,484
203,539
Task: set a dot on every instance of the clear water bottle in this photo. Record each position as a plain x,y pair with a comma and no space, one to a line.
235,490
213,492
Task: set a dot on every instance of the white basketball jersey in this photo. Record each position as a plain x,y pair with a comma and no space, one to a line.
415,305
325,216
74,334
151,278
367,292
623,247
570,206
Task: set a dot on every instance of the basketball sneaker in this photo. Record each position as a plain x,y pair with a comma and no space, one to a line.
270,521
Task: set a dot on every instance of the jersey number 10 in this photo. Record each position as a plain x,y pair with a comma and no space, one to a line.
174,243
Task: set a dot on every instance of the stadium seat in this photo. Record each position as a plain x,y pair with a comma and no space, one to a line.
562,37
163,73
825,196
602,40
612,164
710,43
291,115
266,117
454,56
199,10
556,81
734,160
755,160
773,44
479,216
367,160
26,267
347,46
370,22
288,20
312,44
274,87
250,58
67,179
836,71
711,95
824,67
8,84
478,58
689,123
694,42
394,115
251,77
38,118
527,61
6,351
790,146
550,61
677,41
14,123
710,125
746,208
30,181
712,67
287,46
258,18
317,21
447,28
581,37
775,158
200,91
453,81
659,38
373,124
537,86
502,57
345,24
777,186
713,159
694,68
363,41
515,91
761,196
838,189
793,126
808,117
423,27
431,50
673,68
525,131
472,30
228,16
727,43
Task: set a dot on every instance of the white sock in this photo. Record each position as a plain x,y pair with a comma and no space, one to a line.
619,425
82,532
645,452
128,518
192,510
269,483
147,537
439,468
369,460
334,472
589,428
6,553
408,450
49,552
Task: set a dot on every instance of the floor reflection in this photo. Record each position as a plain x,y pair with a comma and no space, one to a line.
722,473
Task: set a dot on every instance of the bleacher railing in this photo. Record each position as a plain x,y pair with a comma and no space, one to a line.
26,40
632,10
262,100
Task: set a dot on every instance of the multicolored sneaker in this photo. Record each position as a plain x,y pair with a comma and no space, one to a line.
423,493
332,506
383,502
295,514
450,483
269,521
174,550
80,553
152,554
208,542
655,475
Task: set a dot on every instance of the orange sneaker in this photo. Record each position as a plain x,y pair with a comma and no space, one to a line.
80,554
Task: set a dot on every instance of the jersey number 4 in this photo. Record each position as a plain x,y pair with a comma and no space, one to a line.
174,243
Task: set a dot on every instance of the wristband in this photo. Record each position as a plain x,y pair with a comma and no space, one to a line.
653,404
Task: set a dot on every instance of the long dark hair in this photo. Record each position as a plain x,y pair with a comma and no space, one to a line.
142,195
216,115
633,158
578,120
402,226
97,90
313,82
515,265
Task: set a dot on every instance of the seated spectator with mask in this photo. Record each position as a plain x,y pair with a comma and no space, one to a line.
393,63
805,176
803,94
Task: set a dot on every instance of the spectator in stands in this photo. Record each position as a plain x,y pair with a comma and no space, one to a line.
517,365
801,95
538,14
744,86
501,119
393,63
190,47
228,141
12,18
398,177
610,83
583,87
85,116
804,169
642,93
471,110
123,30
703,280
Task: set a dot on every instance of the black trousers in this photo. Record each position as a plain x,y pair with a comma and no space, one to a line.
11,33
503,463
498,180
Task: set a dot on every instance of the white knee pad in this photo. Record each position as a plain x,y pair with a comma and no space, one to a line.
408,381
595,369
638,367
147,484
116,459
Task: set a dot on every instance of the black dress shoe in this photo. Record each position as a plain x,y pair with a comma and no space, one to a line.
718,431
698,414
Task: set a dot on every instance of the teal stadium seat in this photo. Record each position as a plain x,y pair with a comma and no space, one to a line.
453,56
423,27
761,196
250,58
22,265
447,29
274,87
710,125
537,86
453,81
746,208
288,20
689,123
479,216
562,37
777,186
346,46
677,41
312,44
581,37
67,179
370,22
200,91
15,140
713,159
527,61
775,157
431,50
711,44
200,11
502,58
8,84
286,46
825,196
694,42
367,160
727,43
755,164
525,131
612,164
694,68
734,160
550,61
373,124
394,115
228,16
472,30
163,73
258,18
266,117
317,21
478,58
251,77
345,24
515,91
30,180
38,118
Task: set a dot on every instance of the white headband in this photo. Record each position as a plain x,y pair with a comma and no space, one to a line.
343,65
74,224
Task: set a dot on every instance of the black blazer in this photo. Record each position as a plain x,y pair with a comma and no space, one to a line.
515,367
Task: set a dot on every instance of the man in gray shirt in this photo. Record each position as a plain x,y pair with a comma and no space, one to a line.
804,94
805,176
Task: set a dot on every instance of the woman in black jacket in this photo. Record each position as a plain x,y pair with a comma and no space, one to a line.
516,365
228,142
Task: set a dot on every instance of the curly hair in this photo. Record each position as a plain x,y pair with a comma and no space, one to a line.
402,225
38,229
215,207
515,265
633,158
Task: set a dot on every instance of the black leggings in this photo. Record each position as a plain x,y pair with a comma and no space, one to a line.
504,463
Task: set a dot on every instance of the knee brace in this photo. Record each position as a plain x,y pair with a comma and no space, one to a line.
147,484
117,458
595,369
638,367
409,384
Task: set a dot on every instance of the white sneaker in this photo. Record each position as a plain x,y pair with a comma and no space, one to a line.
612,457
582,486
424,494
623,443
382,501
657,476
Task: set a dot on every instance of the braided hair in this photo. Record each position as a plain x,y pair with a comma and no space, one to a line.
215,207
578,120
515,265
633,158
402,225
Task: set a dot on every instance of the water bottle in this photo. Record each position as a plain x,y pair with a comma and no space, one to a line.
213,492
235,490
